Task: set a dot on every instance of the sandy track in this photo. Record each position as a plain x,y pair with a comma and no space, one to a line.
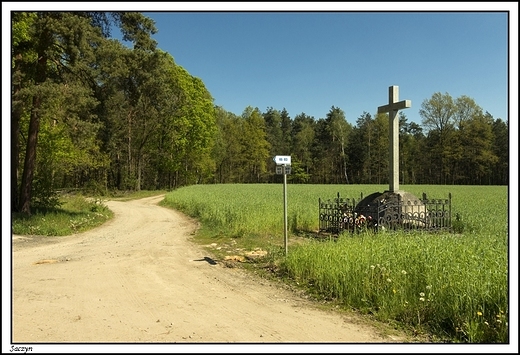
138,278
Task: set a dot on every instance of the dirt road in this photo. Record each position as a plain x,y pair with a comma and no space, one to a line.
139,279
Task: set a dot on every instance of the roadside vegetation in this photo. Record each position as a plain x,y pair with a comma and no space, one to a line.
70,213
447,287
450,287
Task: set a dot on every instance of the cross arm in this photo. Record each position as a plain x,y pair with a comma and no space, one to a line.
395,106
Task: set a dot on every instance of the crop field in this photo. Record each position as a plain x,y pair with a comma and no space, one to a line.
452,286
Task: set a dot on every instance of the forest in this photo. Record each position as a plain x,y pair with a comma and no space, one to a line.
91,113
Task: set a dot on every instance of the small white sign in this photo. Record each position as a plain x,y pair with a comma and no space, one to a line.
282,159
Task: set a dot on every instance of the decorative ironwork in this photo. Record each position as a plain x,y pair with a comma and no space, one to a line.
340,214
337,214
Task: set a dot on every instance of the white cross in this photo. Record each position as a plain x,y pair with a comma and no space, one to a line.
393,127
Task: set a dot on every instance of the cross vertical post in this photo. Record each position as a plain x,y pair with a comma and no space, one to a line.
393,106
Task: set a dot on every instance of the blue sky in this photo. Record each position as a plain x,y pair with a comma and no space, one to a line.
308,57
307,62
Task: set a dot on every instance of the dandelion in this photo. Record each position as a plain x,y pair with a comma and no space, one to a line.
421,299
429,287
394,291
403,272
479,313
389,280
372,267
421,294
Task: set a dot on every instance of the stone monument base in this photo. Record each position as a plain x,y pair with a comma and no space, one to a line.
392,209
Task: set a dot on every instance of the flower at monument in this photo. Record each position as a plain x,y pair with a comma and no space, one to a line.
360,220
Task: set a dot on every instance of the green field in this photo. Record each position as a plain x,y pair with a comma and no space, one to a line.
452,286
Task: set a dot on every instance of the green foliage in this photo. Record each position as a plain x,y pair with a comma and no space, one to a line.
303,138
22,32
461,140
438,112
434,283
255,147
134,195
136,28
72,214
44,195
95,188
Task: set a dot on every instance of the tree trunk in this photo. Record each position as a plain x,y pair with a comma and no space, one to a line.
16,115
34,127
30,157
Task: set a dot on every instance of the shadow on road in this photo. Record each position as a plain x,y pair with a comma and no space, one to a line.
209,260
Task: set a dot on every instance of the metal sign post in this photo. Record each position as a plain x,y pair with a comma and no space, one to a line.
284,167
285,212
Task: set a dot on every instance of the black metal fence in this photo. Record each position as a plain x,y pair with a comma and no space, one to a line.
337,214
343,214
